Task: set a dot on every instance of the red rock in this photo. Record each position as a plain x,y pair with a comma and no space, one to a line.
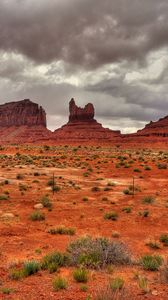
22,113
80,114
82,126
158,128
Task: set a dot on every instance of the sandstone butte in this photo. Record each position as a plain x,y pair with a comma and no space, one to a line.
25,122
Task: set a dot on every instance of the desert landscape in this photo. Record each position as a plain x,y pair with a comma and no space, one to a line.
83,150
83,210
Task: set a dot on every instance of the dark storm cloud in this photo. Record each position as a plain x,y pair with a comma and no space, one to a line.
87,33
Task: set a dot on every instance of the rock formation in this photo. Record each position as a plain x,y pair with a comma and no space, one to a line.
82,126
22,113
158,128
80,114
22,122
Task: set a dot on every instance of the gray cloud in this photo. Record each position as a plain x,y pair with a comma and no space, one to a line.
88,33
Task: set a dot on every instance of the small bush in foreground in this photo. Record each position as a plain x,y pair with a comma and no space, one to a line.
62,230
164,273
164,239
148,200
117,283
107,293
37,216
31,267
7,291
53,261
46,202
80,275
151,263
98,253
111,216
60,283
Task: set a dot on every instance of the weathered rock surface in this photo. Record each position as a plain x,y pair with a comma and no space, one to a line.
82,126
22,113
158,128
77,114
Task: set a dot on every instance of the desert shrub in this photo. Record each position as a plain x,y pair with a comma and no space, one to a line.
37,216
16,274
4,197
147,168
62,230
164,272
31,267
95,189
127,209
162,166
106,293
111,216
80,275
60,283
164,239
36,174
117,283
19,176
148,200
153,244
83,288
143,284
46,202
53,261
97,253
7,291
151,263
85,199
128,192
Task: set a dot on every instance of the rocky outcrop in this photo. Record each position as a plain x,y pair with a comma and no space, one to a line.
77,114
22,113
83,127
158,128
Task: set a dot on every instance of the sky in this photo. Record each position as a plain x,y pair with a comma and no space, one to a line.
112,53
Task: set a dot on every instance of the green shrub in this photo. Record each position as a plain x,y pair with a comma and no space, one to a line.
143,284
62,230
53,261
117,283
111,216
4,197
80,275
16,274
46,202
127,209
60,283
31,267
164,239
37,216
151,263
98,253
7,291
148,200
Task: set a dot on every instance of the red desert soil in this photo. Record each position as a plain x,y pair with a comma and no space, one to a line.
77,170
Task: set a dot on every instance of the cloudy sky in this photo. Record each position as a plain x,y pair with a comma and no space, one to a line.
113,53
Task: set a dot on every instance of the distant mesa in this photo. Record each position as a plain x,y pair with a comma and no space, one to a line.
158,128
25,122
22,113
82,126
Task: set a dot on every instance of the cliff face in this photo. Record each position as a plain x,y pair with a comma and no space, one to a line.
22,113
80,114
83,127
158,128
